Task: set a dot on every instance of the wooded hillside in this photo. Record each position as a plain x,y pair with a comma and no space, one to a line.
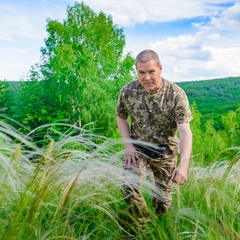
213,97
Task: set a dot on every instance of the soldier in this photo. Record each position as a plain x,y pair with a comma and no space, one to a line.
157,109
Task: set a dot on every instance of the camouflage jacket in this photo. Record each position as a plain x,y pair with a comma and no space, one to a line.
154,117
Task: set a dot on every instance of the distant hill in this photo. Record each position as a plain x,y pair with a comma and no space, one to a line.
214,97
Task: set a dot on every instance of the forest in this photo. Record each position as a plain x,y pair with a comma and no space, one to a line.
214,97
61,152
27,105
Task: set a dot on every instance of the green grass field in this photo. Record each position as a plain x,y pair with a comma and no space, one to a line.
70,189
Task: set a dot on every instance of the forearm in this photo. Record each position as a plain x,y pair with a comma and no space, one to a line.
130,155
185,146
179,175
185,149
123,127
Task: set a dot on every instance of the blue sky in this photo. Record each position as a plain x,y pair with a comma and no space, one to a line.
195,39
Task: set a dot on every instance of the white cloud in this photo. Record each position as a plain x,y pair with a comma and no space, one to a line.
182,47
205,53
128,13
230,18
185,57
225,61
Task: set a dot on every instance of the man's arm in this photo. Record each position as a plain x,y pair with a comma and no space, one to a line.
180,173
130,155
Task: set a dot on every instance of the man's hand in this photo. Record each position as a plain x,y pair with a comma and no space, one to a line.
179,175
130,157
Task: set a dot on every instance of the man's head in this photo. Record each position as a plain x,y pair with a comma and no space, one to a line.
149,70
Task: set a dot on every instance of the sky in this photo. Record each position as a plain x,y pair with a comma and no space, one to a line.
195,39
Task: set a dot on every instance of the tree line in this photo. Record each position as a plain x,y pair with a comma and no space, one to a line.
78,78
214,97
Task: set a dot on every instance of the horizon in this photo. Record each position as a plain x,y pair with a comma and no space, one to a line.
198,80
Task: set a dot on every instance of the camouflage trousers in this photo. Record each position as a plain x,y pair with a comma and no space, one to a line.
161,170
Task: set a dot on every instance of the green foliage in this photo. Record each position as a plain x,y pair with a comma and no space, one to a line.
214,97
208,141
78,79
231,122
67,193
2,92
8,92
212,141
83,65
81,71
32,108
198,148
215,109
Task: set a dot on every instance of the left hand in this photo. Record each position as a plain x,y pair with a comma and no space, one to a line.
179,175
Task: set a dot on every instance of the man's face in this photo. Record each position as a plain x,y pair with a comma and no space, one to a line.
149,75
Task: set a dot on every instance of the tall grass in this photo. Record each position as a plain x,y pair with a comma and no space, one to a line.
70,189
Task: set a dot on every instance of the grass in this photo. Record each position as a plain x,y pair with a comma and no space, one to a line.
70,189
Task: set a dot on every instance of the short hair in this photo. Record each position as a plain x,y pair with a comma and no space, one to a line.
146,56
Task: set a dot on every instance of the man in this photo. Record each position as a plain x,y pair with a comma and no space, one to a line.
157,109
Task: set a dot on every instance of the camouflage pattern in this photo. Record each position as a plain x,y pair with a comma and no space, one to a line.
162,169
154,118
131,189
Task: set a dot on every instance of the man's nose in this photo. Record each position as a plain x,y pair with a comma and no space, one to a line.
147,77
